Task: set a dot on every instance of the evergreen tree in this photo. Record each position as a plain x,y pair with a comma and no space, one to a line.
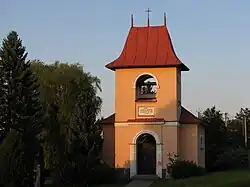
20,110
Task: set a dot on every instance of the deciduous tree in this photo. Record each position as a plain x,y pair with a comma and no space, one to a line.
215,134
73,138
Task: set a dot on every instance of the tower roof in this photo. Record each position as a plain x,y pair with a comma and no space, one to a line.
150,47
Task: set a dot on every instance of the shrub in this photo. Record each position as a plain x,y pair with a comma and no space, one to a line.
179,168
102,174
232,159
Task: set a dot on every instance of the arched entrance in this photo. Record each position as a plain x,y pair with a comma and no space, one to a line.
146,154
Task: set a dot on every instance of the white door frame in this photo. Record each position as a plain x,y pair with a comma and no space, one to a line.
133,153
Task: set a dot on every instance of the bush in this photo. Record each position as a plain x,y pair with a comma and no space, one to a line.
179,168
102,174
232,159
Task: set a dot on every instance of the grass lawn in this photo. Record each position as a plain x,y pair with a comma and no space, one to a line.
219,179
110,185
105,185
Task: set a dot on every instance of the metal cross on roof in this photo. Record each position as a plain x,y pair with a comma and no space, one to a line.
148,11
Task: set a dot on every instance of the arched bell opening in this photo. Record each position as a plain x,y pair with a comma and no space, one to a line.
146,87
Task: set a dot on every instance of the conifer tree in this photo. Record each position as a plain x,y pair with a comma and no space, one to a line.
20,110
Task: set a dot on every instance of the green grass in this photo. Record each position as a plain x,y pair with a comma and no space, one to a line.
110,185
219,179
105,185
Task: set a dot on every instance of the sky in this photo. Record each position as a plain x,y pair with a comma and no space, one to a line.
211,37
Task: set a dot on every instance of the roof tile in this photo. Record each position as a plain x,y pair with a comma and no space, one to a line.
147,47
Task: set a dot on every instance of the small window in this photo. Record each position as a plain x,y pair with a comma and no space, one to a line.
146,88
202,142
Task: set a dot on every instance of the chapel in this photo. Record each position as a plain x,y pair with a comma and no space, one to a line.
149,122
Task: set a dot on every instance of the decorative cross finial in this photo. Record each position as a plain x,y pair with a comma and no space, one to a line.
132,20
148,11
165,19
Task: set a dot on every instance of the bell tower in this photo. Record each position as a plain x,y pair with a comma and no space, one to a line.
148,76
149,121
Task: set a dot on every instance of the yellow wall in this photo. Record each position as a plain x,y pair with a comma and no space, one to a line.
179,94
180,140
171,142
188,142
124,135
166,105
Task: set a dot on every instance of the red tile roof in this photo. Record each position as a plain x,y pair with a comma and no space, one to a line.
108,120
147,47
186,118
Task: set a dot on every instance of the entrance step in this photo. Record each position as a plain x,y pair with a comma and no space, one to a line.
140,183
145,177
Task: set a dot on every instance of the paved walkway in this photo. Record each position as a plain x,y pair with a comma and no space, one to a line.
139,183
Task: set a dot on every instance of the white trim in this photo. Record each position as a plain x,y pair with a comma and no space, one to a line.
146,132
139,123
170,123
133,157
145,73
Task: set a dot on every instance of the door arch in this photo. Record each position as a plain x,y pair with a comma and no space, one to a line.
133,153
146,154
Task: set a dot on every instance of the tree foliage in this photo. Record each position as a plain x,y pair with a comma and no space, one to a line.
73,141
224,144
235,133
20,112
243,112
215,137
7,149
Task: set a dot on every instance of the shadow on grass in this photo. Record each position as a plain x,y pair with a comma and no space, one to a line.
104,185
239,178
109,185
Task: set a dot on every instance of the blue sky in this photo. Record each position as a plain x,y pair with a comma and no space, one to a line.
211,37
